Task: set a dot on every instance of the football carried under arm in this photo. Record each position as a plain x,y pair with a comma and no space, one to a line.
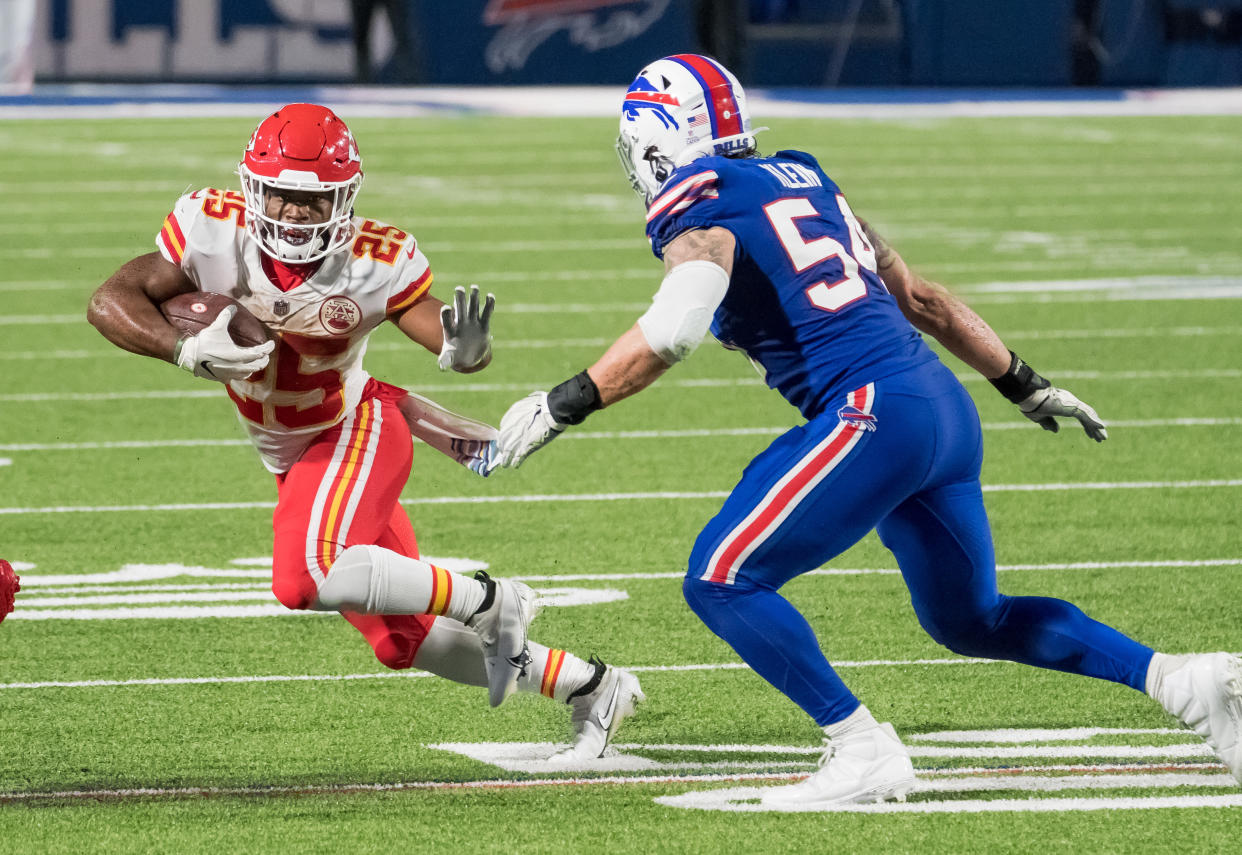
933,310
213,355
126,310
697,265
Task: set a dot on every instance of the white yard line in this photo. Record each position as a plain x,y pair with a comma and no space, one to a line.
1008,781
526,386
1169,285
591,277
413,674
956,661
608,497
690,433
121,581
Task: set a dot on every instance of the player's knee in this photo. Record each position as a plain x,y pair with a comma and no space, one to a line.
705,597
295,591
347,587
395,650
966,633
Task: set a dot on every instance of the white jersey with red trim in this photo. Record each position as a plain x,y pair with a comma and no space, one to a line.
315,375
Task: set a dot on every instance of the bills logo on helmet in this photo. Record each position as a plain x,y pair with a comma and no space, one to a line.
644,95
857,418
339,315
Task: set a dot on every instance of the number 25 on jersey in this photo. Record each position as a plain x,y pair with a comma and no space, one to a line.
804,254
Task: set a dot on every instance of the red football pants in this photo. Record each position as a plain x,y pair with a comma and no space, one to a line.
344,491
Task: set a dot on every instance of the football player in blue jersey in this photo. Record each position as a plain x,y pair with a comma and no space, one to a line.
765,252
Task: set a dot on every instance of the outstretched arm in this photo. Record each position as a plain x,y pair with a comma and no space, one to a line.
697,268
460,335
933,310
677,321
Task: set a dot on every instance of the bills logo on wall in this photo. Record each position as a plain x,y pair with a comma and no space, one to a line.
311,41
196,40
591,25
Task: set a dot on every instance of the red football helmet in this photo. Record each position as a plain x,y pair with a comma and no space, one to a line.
8,588
306,148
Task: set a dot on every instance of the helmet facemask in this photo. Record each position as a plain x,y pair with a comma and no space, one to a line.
645,165
298,243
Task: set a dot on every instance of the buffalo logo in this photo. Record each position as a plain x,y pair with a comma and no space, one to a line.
857,418
590,25
646,95
339,315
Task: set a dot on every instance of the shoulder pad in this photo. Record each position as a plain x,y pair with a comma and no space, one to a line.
799,156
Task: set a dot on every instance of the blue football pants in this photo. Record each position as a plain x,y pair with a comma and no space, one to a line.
901,455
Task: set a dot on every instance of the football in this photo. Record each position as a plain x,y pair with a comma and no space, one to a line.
191,312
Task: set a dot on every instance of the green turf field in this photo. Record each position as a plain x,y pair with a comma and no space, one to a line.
134,717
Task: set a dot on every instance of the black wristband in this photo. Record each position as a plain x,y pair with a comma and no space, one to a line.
1020,381
574,400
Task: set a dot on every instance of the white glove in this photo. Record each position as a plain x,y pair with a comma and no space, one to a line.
467,335
1043,406
526,427
214,355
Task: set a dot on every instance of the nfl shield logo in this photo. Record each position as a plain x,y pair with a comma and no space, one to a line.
281,308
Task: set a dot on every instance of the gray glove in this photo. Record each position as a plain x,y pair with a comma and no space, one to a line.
467,330
1044,406
1042,403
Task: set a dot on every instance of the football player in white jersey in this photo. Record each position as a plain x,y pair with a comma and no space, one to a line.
290,250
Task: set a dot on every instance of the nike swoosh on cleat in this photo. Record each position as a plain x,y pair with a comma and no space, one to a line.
605,720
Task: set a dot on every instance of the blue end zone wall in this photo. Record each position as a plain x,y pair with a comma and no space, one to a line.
895,42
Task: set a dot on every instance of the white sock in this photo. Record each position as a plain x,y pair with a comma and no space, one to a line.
377,581
1162,665
453,652
856,722
554,673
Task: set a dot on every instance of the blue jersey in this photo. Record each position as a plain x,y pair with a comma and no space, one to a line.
804,301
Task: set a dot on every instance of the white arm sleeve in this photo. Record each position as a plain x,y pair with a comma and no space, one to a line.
681,311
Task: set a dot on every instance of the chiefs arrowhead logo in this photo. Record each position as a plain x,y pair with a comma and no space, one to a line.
340,315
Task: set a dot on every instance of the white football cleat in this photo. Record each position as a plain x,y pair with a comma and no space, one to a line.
1205,693
858,768
599,708
502,629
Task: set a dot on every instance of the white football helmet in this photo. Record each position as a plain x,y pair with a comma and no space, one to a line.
677,109
306,148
